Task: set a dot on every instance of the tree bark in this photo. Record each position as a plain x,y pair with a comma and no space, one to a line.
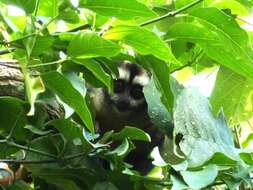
12,84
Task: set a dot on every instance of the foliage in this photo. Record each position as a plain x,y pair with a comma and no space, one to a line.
62,46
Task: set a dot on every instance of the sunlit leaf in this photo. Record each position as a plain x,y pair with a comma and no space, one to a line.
143,41
220,37
234,94
88,45
120,9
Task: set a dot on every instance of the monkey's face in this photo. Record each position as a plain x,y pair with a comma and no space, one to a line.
128,88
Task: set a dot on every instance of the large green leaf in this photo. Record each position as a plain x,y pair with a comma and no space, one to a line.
85,177
195,129
104,186
13,117
87,45
233,93
161,74
71,131
71,96
120,9
220,37
97,70
48,8
143,41
132,133
199,179
158,113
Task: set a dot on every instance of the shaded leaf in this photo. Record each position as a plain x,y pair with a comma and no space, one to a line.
131,133
96,70
67,93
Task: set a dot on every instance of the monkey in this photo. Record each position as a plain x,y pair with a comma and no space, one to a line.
126,106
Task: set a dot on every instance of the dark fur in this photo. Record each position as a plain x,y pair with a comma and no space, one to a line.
109,117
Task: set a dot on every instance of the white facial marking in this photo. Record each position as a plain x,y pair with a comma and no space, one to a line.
124,74
141,79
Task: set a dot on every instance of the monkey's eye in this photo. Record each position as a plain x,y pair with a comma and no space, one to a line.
136,92
119,85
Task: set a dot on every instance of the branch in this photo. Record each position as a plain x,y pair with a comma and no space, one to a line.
5,51
171,14
70,157
13,144
190,63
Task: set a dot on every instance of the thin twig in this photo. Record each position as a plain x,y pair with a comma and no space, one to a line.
245,21
5,51
190,63
36,7
47,64
82,27
14,126
171,14
237,136
13,144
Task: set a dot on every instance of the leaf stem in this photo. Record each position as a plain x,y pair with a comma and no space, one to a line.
172,13
5,51
13,144
71,157
36,7
190,63
237,136
32,34
48,64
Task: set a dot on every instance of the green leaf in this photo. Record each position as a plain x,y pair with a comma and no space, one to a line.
97,70
64,184
248,140
88,45
29,43
233,5
104,186
161,77
19,185
132,133
68,94
13,117
122,149
48,8
33,85
178,184
120,9
195,129
71,131
50,146
69,15
220,37
143,41
234,94
42,45
158,113
27,5
37,131
221,159
202,178
86,177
